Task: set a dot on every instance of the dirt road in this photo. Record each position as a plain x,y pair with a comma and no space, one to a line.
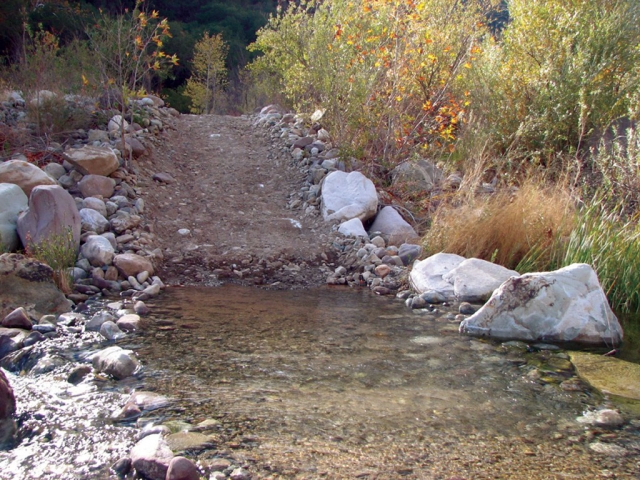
231,188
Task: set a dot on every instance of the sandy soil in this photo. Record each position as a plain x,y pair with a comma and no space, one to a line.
231,190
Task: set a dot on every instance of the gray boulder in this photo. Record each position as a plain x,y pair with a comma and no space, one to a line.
151,457
391,224
7,411
12,201
95,204
567,305
92,185
348,195
115,361
24,174
110,331
52,212
93,221
98,250
474,280
409,252
93,160
416,176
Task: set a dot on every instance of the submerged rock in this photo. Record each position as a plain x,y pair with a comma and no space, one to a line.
151,457
567,305
7,411
608,374
115,361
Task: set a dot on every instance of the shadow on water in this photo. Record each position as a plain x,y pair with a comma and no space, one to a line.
330,381
630,350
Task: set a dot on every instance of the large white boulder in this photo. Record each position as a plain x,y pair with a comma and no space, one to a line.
567,305
12,201
391,224
428,274
348,195
52,214
474,280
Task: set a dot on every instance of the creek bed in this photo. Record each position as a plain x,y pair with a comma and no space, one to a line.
326,383
339,383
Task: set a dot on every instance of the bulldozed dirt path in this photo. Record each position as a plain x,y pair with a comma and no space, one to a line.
230,189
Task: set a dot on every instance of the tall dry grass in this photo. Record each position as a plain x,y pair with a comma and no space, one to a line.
505,227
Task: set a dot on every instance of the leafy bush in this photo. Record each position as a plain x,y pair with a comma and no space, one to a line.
388,72
611,244
562,70
205,86
60,253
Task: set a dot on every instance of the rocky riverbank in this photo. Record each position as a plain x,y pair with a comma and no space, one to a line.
192,213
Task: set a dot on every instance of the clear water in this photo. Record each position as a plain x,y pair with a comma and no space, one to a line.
341,383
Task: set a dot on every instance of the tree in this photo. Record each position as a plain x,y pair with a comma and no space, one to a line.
129,50
205,86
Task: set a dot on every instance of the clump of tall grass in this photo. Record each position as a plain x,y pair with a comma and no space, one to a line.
59,251
504,227
611,244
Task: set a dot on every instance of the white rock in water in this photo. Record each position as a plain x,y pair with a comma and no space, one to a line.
427,274
348,195
567,305
184,231
151,457
115,361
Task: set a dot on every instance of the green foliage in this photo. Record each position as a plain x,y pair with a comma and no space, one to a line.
205,87
562,70
60,253
611,244
129,49
388,72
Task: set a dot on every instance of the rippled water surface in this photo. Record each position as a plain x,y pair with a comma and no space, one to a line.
344,384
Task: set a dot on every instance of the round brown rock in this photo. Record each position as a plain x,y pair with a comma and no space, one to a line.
131,264
17,319
182,468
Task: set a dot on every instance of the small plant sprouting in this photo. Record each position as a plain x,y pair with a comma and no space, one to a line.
60,253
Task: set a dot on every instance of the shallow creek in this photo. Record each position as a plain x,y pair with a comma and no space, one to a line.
334,383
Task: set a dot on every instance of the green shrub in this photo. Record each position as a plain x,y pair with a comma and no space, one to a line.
60,253
562,70
611,244
388,72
